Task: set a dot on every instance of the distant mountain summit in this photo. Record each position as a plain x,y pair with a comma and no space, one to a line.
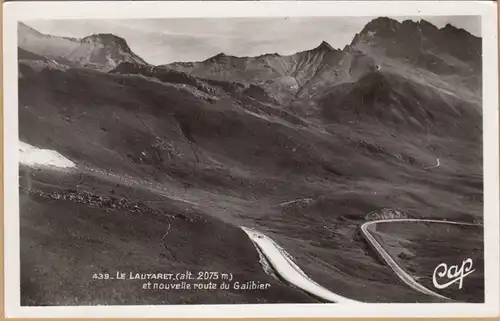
281,76
422,43
98,51
106,50
107,39
393,56
324,46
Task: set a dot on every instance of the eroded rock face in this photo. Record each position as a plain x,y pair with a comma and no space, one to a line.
386,213
276,77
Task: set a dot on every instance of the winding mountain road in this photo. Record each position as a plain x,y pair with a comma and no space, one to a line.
288,270
405,277
280,260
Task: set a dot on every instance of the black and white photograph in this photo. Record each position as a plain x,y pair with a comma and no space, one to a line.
305,160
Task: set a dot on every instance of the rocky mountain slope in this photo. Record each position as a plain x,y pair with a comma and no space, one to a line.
442,51
100,51
418,53
280,76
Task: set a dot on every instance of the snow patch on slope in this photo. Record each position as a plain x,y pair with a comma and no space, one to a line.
33,156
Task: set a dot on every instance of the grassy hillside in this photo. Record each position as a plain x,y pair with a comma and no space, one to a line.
234,164
65,242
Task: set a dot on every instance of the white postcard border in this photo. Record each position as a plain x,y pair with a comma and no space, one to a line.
19,11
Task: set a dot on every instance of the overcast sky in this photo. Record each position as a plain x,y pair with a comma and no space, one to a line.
161,41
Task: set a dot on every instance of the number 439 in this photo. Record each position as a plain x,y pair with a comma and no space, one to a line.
100,276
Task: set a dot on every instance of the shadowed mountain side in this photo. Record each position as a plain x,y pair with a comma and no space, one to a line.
145,128
138,125
395,101
212,89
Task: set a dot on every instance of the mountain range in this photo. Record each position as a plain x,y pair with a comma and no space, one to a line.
385,51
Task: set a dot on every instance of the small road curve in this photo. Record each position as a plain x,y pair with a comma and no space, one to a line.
289,271
405,277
